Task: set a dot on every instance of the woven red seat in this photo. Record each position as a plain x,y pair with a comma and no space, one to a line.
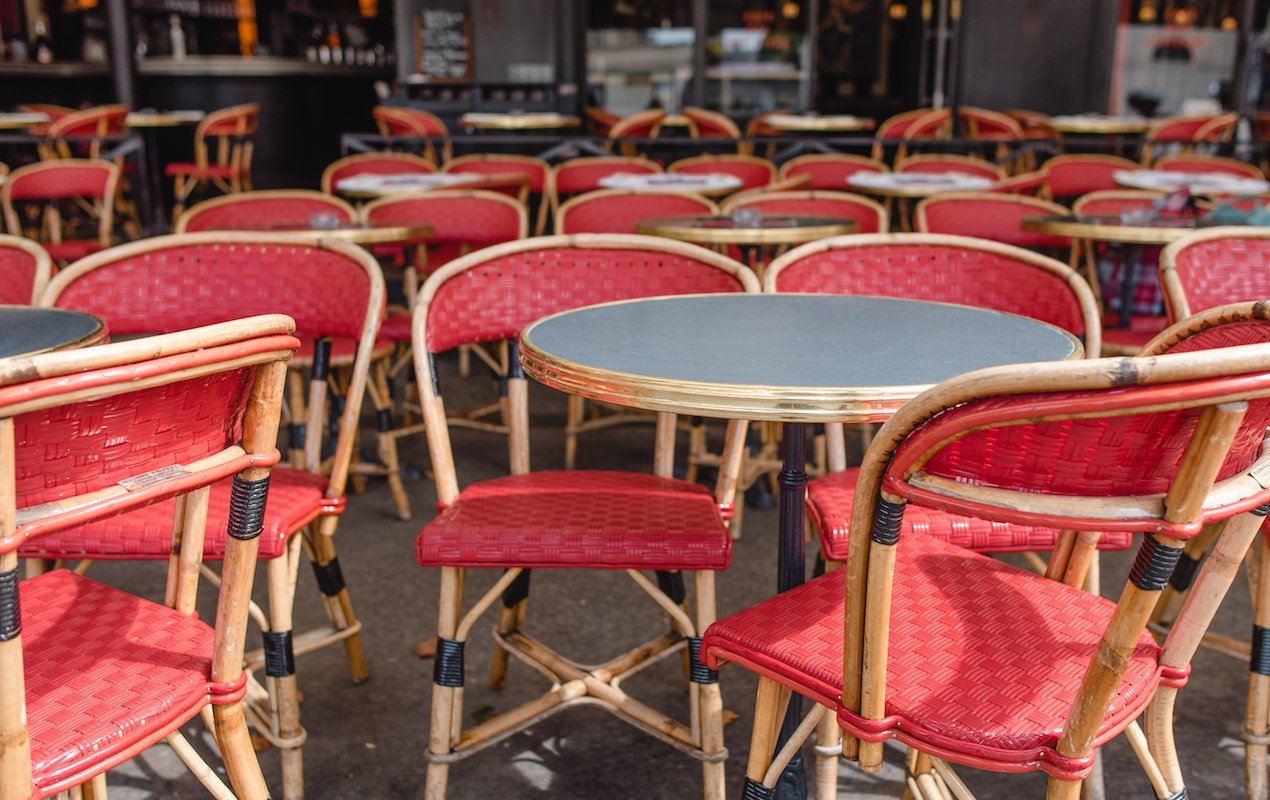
104,703
73,249
1141,330
296,498
24,270
396,328
586,519
985,659
830,499
223,171
343,350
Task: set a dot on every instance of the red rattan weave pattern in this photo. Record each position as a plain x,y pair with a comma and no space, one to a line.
460,221
1178,129
69,178
621,212
1071,176
1230,334
188,285
82,447
999,219
830,499
579,519
1108,456
537,171
1183,162
1215,272
69,250
985,660
940,272
837,204
501,296
829,172
296,498
584,175
247,212
17,276
106,672
1141,330
753,176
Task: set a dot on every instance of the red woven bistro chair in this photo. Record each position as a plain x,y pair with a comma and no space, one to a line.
621,210
869,215
223,147
565,519
922,124
1183,133
25,268
599,122
829,170
1025,183
983,125
91,675
374,164
79,134
1070,176
1212,165
940,163
1035,125
992,216
578,175
537,171
68,206
414,123
51,110
335,292
627,132
754,172
276,210
970,661
1215,267
708,124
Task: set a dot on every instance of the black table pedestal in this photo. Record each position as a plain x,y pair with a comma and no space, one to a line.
790,572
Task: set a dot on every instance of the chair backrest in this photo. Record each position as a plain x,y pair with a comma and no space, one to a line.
1190,162
229,131
600,122
830,170
1220,326
754,172
1035,125
1198,128
916,125
640,125
941,163
1025,183
988,215
1215,267
374,164
277,210
897,127
579,175
92,433
949,269
169,283
402,121
980,123
462,221
1074,175
24,270
869,215
711,124
91,124
50,183
621,210
492,295
535,169
1114,201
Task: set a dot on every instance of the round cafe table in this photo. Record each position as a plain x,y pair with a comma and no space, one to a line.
524,121
1099,124
1201,183
746,231
151,124
21,120
364,234
817,123
902,188
28,331
709,184
789,358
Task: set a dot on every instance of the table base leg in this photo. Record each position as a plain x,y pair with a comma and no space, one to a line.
791,572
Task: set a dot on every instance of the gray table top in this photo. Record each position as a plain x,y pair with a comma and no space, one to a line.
26,331
777,357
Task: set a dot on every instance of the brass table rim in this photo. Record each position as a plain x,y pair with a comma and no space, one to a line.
706,188
1066,123
794,234
1116,234
752,402
828,122
532,120
389,234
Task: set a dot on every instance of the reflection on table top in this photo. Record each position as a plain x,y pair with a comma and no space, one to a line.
784,357
27,331
1099,124
746,229
1195,182
545,120
1124,230
702,183
817,122
917,184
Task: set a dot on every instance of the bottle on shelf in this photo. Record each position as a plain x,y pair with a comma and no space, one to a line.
177,37
43,47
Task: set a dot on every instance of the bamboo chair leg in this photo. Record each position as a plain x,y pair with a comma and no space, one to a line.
240,758
1257,722
709,700
769,710
296,413
381,399
284,695
465,361
573,418
828,734
1180,581
1062,790
325,561
511,618
447,701
1093,788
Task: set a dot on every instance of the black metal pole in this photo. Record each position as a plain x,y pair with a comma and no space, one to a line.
790,572
700,19
121,58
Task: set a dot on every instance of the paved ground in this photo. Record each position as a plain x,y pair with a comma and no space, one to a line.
366,741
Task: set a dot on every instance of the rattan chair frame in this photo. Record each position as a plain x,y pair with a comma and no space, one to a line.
411,118
212,203
548,185
574,684
43,264
650,119
922,120
35,383
1231,164
233,150
105,120
971,162
1175,299
864,162
638,162
1042,207
560,225
1195,499
274,711
1076,158
50,218
340,163
1217,128
696,116
734,158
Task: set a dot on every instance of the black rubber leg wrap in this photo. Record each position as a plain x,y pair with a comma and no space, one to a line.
518,590
321,358
330,579
10,606
757,791
247,507
1180,794
432,370
383,417
1154,564
886,521
1184,573
514,368
698,671
672,585
1261,511
299,432
447,670
279,655
1260,660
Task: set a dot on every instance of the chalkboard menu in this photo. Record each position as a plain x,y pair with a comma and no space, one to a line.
443,41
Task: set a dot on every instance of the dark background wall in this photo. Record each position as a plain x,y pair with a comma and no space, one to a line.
1053,57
